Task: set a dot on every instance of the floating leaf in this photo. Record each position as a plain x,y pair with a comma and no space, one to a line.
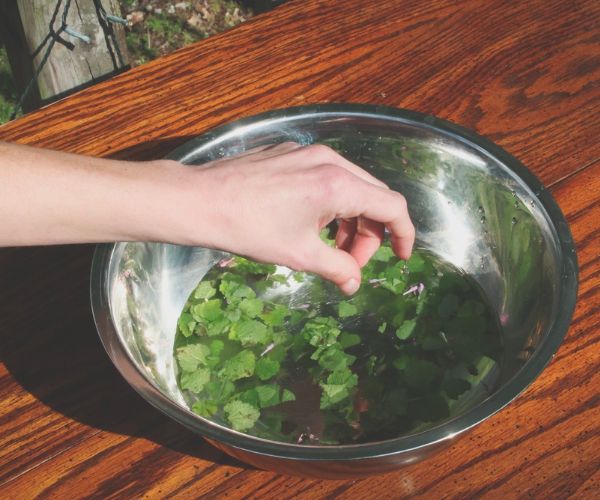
266,368
239,366
346,309
242,416
406,329
191,356
205,290
196,380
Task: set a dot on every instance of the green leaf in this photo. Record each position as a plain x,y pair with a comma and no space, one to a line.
401,361
186,324
208,311
191,356
219,390
332,394
299,277
277,316
383,254
382,327
325,237
205,290
214,358
398,318
420,374
196,380
250,267
266,368
279,278
343,377
268,395
422,302
416,263
251,307
346,309
349,340
321,331
205,407
233,288
218,327
240,415
216,347
406,329
287,395
454,387
333,358
251,332
233,313
239,366
250,396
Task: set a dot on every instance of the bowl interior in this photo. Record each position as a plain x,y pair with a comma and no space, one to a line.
467,202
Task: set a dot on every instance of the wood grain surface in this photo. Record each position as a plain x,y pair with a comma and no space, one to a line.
524,74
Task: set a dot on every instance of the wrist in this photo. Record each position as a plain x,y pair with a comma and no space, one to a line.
178,205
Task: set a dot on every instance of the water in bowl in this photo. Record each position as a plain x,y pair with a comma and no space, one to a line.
284,356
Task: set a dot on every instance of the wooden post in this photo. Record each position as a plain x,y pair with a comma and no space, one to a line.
97,54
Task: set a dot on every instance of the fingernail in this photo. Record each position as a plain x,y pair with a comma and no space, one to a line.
350,287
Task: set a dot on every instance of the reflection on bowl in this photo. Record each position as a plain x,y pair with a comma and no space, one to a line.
473,205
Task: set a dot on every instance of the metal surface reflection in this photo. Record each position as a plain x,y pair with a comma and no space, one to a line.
473,205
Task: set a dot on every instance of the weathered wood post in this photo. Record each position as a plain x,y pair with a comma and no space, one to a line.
88,45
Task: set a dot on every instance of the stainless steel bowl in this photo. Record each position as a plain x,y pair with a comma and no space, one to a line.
473,204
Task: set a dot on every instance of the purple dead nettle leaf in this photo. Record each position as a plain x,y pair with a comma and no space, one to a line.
268,349
226,262
415,289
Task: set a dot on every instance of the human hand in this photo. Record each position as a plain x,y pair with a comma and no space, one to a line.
270,204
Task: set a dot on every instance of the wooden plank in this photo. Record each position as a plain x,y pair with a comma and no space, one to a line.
527,76
113,444
513,74
67,69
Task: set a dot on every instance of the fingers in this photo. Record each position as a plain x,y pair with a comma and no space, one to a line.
390,209
381,205
366,241
345,233
337,266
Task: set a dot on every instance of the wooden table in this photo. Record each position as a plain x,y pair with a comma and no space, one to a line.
524,74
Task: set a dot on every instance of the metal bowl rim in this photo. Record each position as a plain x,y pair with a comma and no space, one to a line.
503,396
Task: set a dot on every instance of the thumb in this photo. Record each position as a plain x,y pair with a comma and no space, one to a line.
337,266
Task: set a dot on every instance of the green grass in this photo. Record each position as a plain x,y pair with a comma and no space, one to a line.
8,96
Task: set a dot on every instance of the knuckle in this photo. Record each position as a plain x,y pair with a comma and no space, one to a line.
400,202
331,180
320,152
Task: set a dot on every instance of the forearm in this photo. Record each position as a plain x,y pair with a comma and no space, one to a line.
268,204
49,197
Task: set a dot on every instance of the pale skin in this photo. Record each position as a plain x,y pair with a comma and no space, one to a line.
268,204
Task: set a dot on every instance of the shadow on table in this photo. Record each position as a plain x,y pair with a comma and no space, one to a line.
49,344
